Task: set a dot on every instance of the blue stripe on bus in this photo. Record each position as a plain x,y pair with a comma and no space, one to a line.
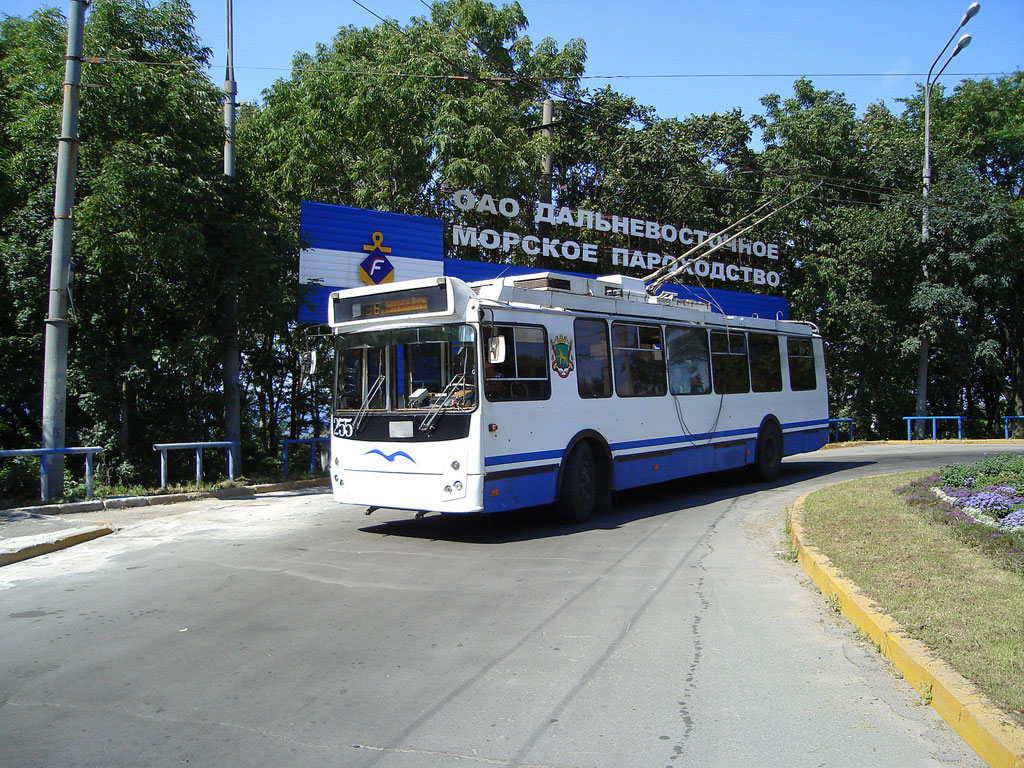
813,423
514,458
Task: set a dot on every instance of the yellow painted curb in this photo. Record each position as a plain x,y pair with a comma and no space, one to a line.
985,728
52,546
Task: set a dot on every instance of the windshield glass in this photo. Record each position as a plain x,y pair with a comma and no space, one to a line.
407,369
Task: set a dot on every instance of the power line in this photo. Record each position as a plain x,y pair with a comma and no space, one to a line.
535,80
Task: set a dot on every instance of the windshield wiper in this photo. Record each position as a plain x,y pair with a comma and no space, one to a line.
365,406
443,401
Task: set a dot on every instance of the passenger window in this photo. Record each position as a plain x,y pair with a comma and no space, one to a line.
801,364
523,375
765,362
639,361
689,364
593,363
729,362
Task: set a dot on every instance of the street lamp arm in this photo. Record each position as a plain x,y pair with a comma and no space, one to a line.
971,12
963,43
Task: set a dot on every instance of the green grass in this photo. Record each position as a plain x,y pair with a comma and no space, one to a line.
946,592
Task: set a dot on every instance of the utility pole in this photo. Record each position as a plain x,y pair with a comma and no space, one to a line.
55,354
230,91
231,352
547,117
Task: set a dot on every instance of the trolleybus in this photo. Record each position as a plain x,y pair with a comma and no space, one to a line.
458,397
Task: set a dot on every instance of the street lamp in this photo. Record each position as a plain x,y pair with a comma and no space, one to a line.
963,42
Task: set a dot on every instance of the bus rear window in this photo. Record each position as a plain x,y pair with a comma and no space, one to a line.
524,373
801,364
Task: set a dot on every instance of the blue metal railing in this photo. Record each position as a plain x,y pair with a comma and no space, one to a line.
934,419
165,447
42,453
1006,425
837,422
312,441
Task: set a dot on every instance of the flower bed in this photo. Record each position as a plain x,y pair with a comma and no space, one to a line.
982,503
991,491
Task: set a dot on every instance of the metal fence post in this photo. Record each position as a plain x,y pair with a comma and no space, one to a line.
199,467
88,475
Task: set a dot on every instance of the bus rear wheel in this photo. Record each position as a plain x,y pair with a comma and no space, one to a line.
579,486
768,458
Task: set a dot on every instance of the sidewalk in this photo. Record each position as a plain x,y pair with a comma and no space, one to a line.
25,534
31,531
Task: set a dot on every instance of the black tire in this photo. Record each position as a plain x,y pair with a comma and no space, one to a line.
768,458
579,486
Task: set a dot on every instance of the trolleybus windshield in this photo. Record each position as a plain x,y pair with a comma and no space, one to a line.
409,368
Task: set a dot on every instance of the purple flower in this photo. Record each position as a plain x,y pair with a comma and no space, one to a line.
1013,520
996,500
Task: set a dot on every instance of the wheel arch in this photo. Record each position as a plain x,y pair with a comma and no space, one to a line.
770,418
602,455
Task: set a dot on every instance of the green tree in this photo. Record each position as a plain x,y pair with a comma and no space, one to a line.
398,117
985,129
157,230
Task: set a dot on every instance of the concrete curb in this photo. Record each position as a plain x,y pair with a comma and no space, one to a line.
126,502
923,442
985,728
6,558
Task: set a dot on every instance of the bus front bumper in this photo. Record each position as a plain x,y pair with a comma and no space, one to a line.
410,491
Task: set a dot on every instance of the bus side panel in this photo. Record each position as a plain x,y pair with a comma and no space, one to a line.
805,441
734,454
520,489
634,470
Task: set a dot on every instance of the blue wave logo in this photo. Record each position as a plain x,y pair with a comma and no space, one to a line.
393,456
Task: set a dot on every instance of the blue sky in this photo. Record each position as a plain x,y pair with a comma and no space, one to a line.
741,42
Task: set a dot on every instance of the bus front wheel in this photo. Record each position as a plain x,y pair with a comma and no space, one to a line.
579,485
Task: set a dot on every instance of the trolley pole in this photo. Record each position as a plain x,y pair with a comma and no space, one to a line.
55,354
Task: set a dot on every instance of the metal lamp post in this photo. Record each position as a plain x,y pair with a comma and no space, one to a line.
963,42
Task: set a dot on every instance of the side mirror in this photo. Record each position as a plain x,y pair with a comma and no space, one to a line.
496,350
312,362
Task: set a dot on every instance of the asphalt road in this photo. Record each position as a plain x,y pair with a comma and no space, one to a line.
291,631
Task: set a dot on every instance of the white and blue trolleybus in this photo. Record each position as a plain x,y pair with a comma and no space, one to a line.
548,388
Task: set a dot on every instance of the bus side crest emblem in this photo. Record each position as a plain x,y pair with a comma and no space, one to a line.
561,356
